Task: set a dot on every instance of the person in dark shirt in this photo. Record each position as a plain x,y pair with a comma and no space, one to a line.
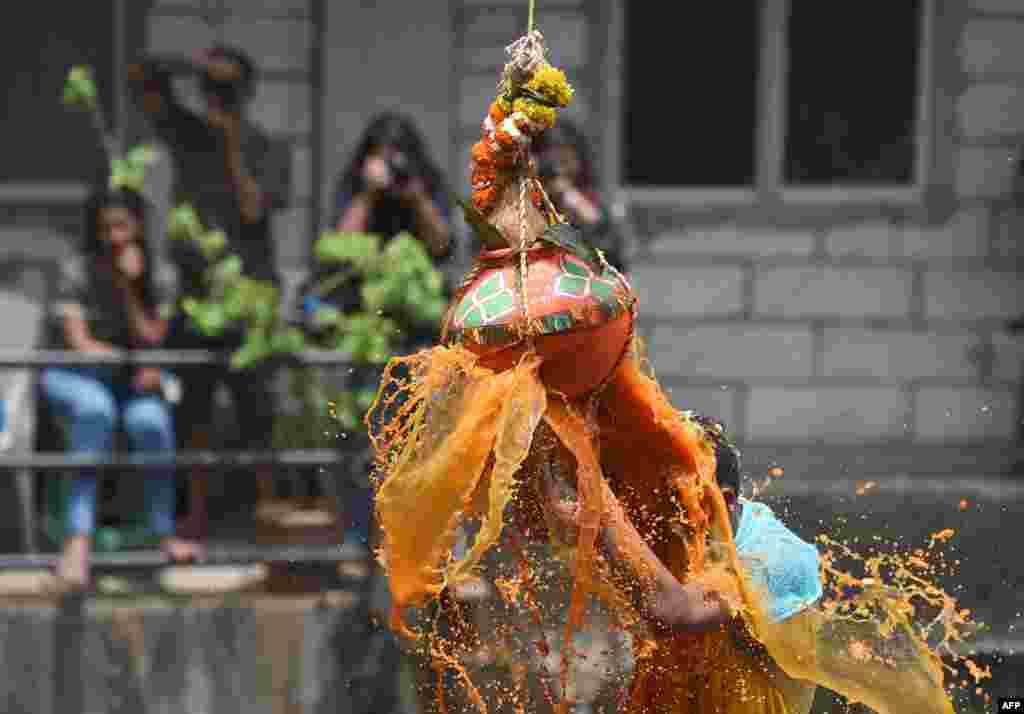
390,186
565,167
108,300
236,177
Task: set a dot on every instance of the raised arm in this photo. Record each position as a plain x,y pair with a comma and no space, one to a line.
431,223
665,603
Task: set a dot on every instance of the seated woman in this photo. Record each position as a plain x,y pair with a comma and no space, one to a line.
107,301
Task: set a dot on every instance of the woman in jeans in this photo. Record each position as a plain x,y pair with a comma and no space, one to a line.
107,302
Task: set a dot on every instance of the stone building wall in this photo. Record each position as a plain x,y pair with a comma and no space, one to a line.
883,329
888,328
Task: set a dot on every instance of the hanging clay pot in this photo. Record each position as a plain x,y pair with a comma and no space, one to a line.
580,316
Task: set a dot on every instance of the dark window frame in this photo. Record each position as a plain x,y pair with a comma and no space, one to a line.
930,198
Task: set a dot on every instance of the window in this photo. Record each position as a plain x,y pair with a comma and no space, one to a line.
770,99
674,106
37,50
851,105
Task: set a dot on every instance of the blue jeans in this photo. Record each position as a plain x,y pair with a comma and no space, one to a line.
92,401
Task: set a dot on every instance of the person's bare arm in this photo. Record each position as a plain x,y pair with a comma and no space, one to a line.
356,218
147,329
431,226
665,603
78,337
251,199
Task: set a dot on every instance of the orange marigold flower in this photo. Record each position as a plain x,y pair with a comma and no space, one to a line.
482,154
485,198
497,111
483,174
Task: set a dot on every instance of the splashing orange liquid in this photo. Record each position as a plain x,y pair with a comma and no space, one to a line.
467,445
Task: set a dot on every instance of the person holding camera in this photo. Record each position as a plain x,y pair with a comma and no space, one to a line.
565,168
236,178
390,186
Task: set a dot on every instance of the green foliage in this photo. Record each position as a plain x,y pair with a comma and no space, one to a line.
130,171
361,250
183,224
399,281
399,284
80,88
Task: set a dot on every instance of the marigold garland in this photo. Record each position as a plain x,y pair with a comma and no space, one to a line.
517,115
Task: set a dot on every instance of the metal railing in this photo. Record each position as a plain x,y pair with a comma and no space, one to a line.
23,460
39,359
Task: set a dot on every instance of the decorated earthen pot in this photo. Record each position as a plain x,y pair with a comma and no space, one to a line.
580,314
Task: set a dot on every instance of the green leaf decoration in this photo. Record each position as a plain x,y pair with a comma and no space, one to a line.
213,244
234,302
183,223
209,317
489,235
130,171
228,269
256,348
289,341
537,97
327,316
80,88
359,249
571,239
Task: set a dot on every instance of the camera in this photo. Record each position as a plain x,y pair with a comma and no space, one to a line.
401,169
228,93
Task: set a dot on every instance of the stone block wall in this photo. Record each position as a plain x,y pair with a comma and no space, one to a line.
880,329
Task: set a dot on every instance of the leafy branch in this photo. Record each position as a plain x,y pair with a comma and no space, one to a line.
398,284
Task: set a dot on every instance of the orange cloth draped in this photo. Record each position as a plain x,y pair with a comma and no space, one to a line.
462,445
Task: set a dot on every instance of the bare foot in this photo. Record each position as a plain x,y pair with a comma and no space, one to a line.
73,568
179,550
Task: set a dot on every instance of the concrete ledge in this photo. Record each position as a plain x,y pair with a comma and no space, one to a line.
252,654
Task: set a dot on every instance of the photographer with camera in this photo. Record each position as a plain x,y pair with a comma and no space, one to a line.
235,177
390,186
565,168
